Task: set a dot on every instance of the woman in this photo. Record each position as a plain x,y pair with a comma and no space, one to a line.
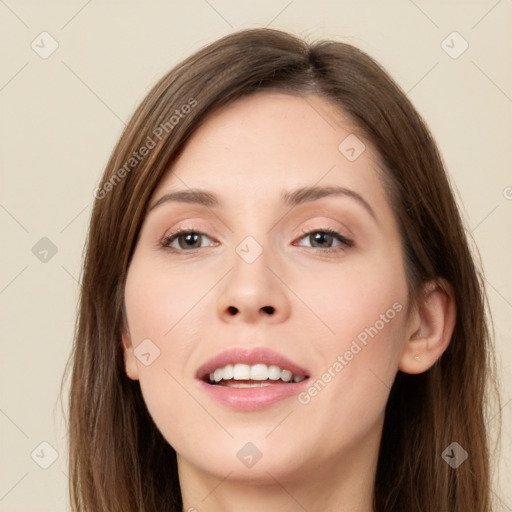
279,307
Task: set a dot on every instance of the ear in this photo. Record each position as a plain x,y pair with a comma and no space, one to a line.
130,362
430,327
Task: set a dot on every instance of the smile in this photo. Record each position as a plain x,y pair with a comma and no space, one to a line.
244,375
250,379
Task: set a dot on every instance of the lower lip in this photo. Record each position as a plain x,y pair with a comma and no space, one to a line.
252,399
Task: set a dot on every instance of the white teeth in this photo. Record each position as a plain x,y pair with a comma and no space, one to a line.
258,372
228,372
249,385
241,372
286,375
274,372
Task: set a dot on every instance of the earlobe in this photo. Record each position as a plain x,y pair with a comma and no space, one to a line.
130,362
431,329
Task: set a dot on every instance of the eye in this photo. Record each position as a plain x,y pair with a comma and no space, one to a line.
186,240
323,240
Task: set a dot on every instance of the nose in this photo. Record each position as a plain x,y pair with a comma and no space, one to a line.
254,292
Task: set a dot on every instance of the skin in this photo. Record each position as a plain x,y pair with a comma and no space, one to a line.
319,456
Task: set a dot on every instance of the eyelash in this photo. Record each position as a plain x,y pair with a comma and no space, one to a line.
346,243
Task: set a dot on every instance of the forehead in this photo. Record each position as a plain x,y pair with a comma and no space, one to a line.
268,142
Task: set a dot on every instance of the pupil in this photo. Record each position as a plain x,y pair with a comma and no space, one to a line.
321,236
189,238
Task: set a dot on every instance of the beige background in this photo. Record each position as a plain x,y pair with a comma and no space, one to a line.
61,116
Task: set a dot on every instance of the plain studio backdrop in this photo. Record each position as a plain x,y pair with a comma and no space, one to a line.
71,75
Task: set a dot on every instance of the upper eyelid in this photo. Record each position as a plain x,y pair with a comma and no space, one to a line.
343,229
302,232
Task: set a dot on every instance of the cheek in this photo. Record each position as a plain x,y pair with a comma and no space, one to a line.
364,315
165,314
353,298
159,300
165,308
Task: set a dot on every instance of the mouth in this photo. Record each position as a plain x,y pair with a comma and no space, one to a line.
252,379
252,376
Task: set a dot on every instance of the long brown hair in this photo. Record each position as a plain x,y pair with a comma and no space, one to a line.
118,459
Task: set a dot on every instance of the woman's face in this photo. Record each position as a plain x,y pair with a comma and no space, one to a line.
261,276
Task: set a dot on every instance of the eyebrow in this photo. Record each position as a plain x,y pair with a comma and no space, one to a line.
290,198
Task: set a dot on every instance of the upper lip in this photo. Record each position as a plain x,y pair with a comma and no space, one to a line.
250,356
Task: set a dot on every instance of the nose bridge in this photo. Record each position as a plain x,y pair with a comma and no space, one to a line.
253,259
251,289
251,262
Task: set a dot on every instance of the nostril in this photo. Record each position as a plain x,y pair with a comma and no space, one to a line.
268,309
232,310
